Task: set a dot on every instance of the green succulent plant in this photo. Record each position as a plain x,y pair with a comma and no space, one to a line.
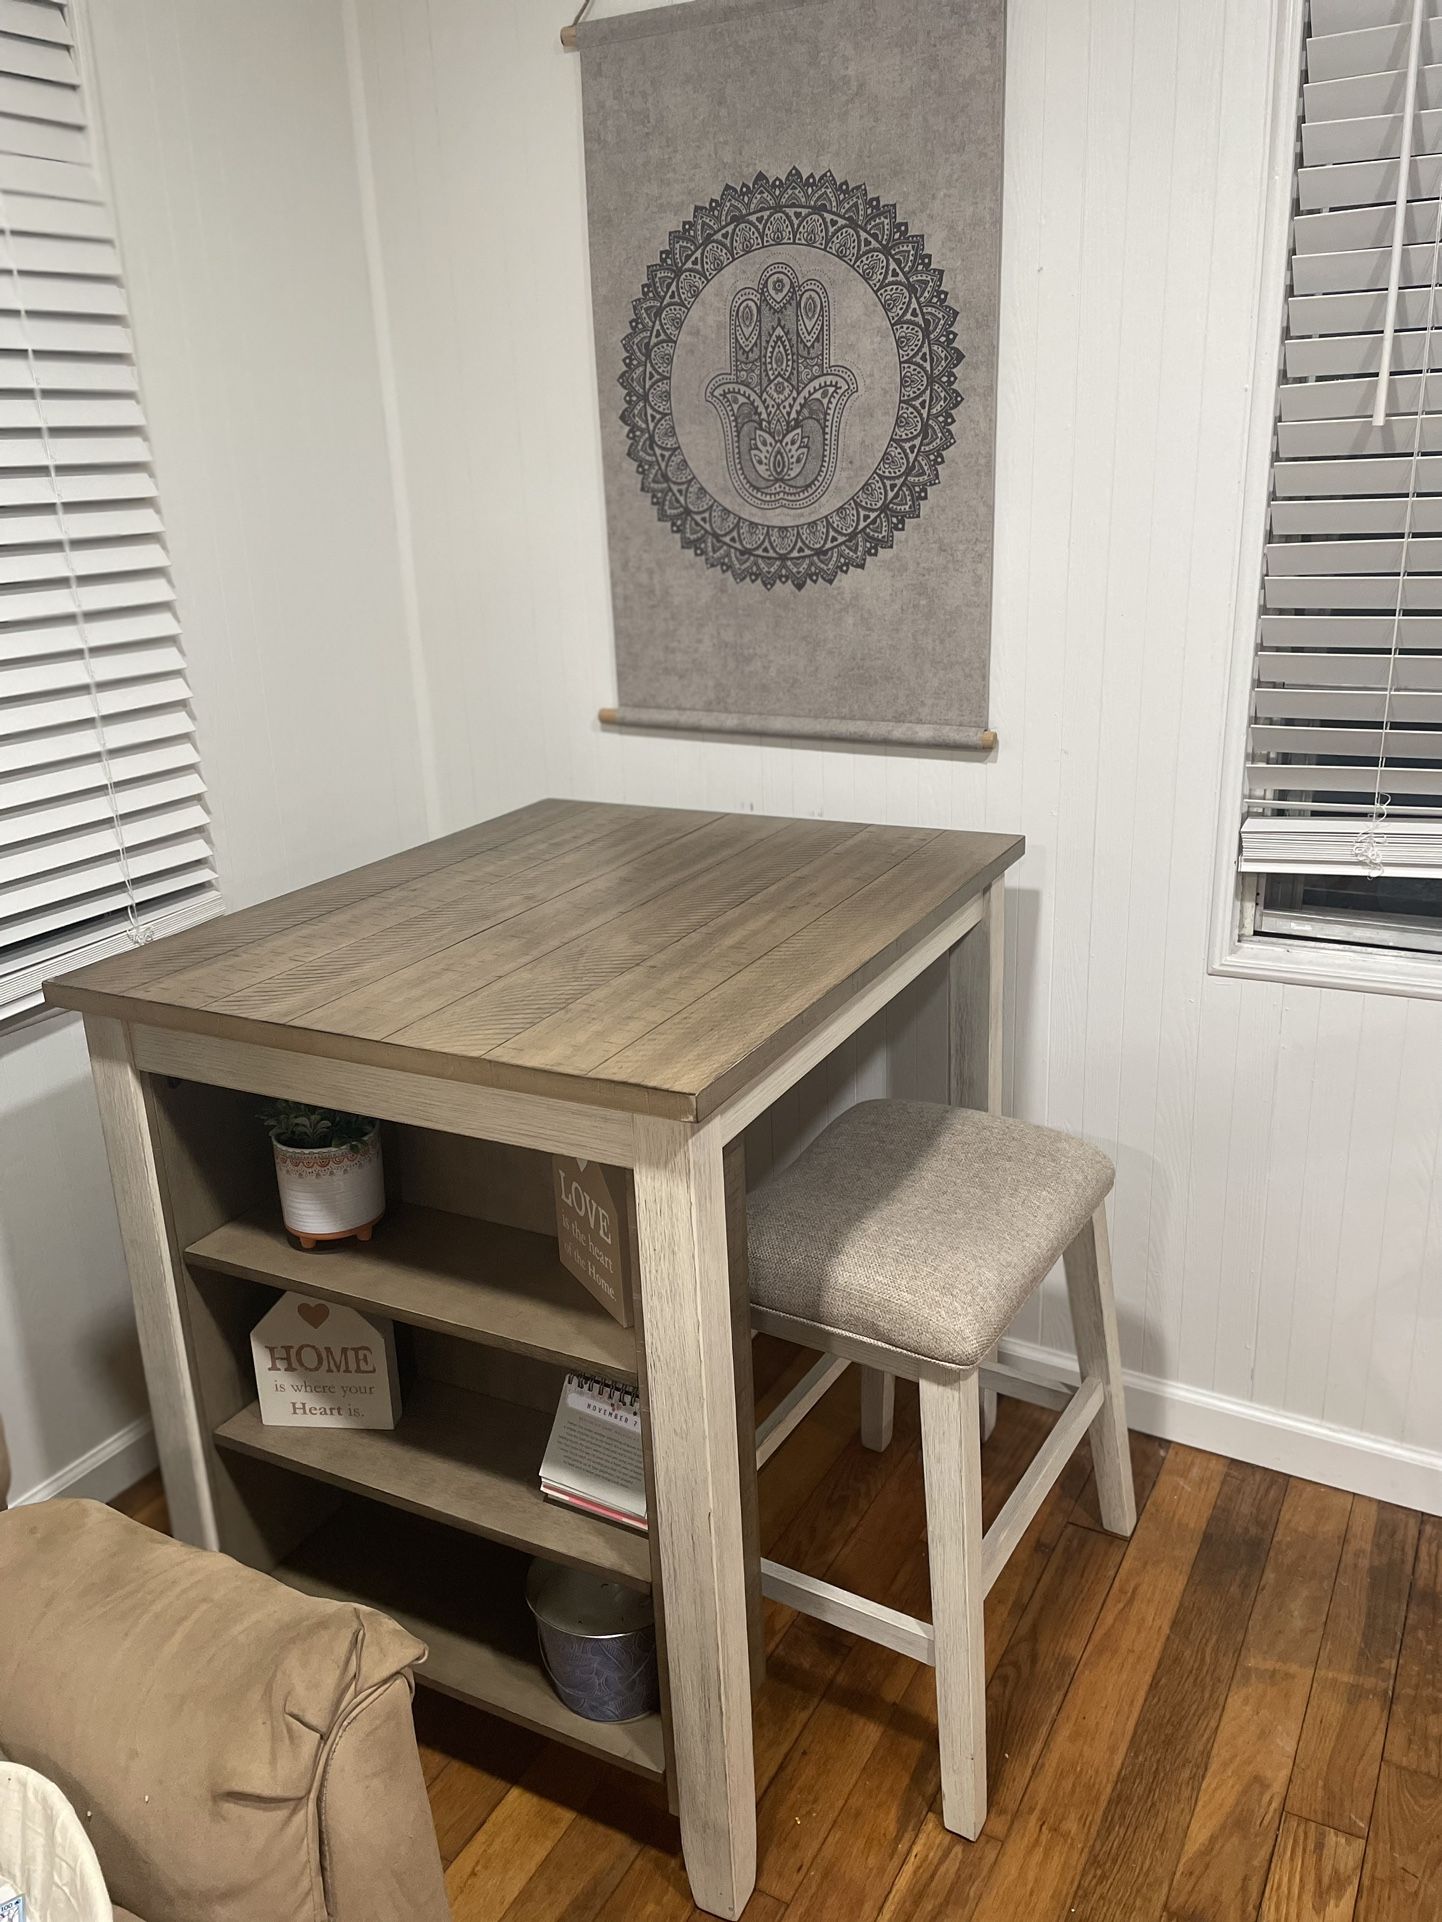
294,1124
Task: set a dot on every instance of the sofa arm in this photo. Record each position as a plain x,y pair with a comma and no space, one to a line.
199,1713
377,1871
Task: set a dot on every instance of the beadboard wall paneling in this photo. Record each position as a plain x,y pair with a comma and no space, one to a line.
231,160
1278,1227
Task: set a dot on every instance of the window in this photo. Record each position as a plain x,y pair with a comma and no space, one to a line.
104,835
1340,846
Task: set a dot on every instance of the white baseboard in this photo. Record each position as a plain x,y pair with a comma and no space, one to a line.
107,1471
1316,1451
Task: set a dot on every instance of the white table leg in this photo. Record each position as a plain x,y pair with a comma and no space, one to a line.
125,1119
681,1235
975,1007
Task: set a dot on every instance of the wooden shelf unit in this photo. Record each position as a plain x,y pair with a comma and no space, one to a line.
455,1457
433,1522
465,1599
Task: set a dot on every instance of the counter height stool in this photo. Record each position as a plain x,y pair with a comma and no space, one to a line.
906,1238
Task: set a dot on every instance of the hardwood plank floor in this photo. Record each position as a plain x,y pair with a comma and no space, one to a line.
1235,1717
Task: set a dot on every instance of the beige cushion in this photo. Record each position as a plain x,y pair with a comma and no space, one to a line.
919,1227
193,1718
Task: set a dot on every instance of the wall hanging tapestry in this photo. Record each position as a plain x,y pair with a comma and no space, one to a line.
795,231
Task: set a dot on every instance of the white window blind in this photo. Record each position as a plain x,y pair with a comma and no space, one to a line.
103,826
1344,764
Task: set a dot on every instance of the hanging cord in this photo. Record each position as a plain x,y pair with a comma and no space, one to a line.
568,34
1369,848
138,932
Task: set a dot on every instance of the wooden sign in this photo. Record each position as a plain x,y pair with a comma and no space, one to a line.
592,1234
320,1365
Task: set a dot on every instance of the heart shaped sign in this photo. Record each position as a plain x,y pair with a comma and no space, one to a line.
313,1313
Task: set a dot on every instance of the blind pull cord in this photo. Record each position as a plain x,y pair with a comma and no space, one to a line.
1399,216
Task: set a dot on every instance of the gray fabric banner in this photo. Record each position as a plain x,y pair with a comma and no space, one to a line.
795,232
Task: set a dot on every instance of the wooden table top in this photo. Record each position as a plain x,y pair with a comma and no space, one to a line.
652,959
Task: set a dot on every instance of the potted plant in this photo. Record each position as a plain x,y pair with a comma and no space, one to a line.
328,1168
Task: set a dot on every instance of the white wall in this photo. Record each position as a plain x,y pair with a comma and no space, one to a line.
1278,1227
231,159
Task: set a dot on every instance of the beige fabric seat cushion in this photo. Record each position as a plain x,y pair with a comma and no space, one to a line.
919,1227
201,1702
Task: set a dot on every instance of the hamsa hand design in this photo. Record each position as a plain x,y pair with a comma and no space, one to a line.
782,403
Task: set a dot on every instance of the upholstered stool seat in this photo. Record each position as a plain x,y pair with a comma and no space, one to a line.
906,1238
921,1228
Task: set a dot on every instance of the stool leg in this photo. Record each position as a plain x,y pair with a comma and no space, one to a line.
1088,1266
878,1408
951,1461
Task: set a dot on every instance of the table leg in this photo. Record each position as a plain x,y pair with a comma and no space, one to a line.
975,1023
128,1127
681,1235
734,1170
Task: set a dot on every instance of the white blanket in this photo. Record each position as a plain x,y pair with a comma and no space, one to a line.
45,1853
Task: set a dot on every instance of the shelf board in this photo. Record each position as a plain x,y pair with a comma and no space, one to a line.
472,1279
455,1457
465,1600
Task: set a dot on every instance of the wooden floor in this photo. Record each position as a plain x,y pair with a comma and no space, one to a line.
1237,1715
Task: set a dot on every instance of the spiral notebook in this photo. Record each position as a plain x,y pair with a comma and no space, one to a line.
593,1458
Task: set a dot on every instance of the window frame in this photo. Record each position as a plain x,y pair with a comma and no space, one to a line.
1234,948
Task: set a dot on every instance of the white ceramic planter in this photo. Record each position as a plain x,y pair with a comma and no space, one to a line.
329,1193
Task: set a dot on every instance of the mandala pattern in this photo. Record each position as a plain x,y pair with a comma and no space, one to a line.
781,404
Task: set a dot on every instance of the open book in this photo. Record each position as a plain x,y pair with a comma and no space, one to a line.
593,1459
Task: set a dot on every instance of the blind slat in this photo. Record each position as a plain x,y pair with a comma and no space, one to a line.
35,20
1351,590
1341,16
1329,143
1367,672
1379,515
1363,270
102,631
1337,313
1302,779
1403,744
1370,95
1339,56
27,605
1336,478
1416,631
37,59
1292,703
1303,439
1366,183
1316,356
40,140
67,294
1352,399
1424,555
1361,227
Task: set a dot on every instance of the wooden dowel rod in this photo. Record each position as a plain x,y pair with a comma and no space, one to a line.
568,39
612,717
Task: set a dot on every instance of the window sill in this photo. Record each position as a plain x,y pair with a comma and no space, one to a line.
1319,964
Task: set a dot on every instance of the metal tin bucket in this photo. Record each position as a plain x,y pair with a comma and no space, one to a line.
598,1643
